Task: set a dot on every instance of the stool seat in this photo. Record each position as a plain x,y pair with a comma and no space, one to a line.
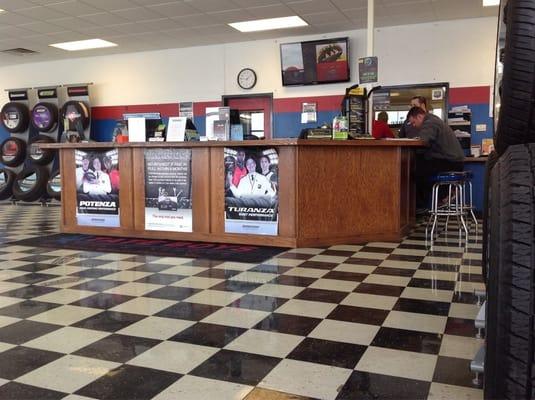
450,176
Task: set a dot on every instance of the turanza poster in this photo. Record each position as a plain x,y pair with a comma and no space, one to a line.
97,188
168,190
251,190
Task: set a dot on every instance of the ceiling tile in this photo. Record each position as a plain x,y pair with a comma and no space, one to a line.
232,16
41,13
173,9
42,27
111,5
74,8
272,11
12,5
10,18
345,4
311,6
212,5
137,14
72,23
194,21
104,19
325,17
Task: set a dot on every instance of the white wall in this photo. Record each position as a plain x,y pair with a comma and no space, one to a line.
460,52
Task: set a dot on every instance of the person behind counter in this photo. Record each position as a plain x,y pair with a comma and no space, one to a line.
380,128
444,152
407,130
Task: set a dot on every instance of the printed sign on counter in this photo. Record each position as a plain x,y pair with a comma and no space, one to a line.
97,188
251,190
168,190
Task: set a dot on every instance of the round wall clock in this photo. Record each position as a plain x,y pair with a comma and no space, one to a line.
247,78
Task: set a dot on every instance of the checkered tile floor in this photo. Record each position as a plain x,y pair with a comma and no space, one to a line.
380,321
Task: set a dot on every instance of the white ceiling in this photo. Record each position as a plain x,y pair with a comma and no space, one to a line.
137,25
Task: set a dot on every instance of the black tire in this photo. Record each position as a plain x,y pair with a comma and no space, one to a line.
40,156
7,178
510,330
44,117
12,152
516,123
53,186
75,112
30,183
15,117
491,161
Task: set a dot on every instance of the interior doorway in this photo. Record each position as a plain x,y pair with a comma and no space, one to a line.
254,112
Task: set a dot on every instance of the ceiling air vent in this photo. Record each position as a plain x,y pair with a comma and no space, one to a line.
19,51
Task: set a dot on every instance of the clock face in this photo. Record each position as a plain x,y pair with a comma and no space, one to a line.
246,78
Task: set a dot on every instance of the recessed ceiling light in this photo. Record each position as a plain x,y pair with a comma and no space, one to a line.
84,45
489,3
269,24
2,11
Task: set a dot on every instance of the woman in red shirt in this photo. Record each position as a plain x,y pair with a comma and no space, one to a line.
380,128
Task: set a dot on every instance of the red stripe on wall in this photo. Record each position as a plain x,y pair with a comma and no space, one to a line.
470,95
295,104
116,112
199,109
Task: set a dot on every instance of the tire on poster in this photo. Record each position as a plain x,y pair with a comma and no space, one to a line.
30,183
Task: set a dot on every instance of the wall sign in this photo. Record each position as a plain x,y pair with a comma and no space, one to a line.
368,67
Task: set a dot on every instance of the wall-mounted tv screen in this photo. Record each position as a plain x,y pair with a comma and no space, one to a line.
315,61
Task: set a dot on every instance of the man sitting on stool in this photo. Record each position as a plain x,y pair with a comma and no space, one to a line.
444,152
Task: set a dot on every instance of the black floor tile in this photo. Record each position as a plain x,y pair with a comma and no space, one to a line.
295,256
32,278
318,265
473,263
27,309
109,321
218,273
422,306
129,382
271,269
345,276
19,391
189,311
90,263
34,267
413,246
292,324
29,292
103,300
394,271
293,280
401,339
208,335
97,285
94,272
336,354
460,327
439,267
446,254
236,286
256,302
382,290
38,259
200,262
405,257
338,253
20,360
369,386
117,348
464,297
375,249
172,293
326,296
453,371
361,315
161,279
432,284
234,366
144,259
363,261
470,278
151,267
23,331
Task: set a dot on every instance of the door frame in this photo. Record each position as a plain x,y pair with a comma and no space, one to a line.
226,98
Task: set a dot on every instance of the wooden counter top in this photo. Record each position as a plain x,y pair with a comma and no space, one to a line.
246,143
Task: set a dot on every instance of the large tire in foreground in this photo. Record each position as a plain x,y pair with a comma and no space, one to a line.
30,183
491,161
7,178
510,329
516,123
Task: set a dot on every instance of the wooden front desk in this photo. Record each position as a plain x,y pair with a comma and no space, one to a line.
330,192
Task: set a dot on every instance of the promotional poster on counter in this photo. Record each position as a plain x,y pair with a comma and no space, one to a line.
168,190
97,188
251,190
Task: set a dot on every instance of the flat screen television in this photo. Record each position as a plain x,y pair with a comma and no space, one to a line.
314,62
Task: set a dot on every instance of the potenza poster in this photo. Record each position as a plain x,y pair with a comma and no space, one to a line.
97,188
168,190
251,190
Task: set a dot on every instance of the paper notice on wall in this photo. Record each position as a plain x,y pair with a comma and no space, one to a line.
185,109
176,129
136,129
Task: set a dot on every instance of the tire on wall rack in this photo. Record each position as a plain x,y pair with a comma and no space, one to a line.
7,178
491,161
37,155
510,329
15,117
75,112
44,116
53,186
30,183
516,122
12,152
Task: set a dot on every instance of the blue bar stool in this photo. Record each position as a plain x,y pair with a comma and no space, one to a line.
454,204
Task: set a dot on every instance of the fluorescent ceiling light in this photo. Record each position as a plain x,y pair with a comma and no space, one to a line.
268,24
488,3
1,11
84,45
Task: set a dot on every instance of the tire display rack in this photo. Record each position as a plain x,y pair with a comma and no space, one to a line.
509,213
31,173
